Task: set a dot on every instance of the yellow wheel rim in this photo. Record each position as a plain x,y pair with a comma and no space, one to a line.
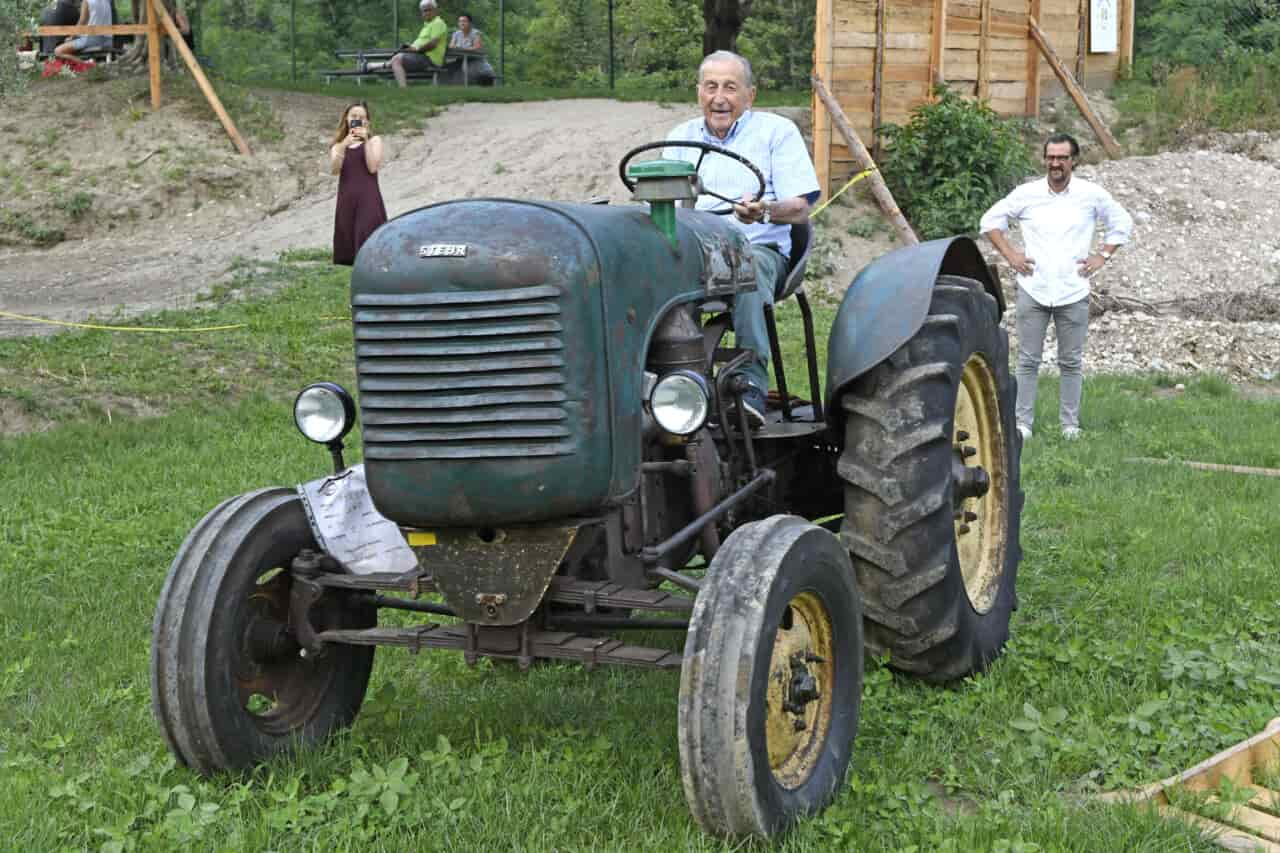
802,663
981,513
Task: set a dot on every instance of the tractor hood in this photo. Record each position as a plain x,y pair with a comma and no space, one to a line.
500,354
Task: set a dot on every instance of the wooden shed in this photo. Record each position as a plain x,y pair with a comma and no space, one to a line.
879,58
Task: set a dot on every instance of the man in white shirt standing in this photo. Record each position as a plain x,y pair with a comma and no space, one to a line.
1058,215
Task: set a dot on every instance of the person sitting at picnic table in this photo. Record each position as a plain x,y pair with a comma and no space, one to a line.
93,13
426,53
63,13
467,37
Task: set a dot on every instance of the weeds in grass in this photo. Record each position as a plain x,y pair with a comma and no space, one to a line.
865,227
251,112
27,230
1169,108
76,205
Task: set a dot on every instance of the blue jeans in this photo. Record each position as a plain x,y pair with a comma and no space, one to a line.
749,328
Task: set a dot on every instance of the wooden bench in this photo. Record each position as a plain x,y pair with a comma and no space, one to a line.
456,60
98,54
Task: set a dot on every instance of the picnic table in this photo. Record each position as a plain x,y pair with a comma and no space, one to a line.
455,59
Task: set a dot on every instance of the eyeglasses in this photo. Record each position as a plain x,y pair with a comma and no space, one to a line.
1058,158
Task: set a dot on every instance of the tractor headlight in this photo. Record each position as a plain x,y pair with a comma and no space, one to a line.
324,412
680,402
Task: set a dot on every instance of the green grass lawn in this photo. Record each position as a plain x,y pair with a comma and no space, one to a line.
1148,635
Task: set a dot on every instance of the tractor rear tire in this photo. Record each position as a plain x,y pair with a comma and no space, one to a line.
772,678
932,499
228,685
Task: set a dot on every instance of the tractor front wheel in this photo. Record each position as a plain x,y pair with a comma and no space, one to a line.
229,684
932,498
772,678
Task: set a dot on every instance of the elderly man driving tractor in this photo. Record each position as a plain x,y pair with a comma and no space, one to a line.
558,445
726,91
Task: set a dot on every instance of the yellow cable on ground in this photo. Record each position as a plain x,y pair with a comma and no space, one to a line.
852,181
27,319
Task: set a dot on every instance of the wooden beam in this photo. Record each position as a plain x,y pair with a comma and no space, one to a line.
153,53
984,50
1127,12
1033,68
823,58
877,81
1076,93
95,30
972,26
1207,466
938,46
864,161
162,18
1082,33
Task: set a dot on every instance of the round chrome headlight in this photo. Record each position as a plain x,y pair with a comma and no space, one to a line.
680,402
324,412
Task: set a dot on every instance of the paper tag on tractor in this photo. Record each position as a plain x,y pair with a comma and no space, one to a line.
350,529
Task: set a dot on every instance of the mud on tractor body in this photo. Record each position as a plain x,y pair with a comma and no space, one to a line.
547,407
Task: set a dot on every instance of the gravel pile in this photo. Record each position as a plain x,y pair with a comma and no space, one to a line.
1198,287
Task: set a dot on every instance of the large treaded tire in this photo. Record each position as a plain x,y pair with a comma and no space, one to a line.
223,577
901,513
778,591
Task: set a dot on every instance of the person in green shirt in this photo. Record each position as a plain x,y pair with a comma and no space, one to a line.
427,50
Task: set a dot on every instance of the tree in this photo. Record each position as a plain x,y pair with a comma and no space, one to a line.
16,16
723,21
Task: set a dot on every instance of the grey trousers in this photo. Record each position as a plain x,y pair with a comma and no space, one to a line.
749,329
1072,324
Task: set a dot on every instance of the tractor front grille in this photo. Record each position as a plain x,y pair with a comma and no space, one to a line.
462,375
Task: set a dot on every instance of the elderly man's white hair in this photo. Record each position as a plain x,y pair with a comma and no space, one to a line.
721,55
427,4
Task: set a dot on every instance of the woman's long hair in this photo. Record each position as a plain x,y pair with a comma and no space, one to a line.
342,131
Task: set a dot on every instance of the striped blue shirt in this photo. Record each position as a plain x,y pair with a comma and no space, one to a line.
774,145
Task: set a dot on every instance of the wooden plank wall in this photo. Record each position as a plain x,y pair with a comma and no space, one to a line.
980,49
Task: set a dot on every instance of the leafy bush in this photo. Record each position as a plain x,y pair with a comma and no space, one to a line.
953,160
1204,64
16,16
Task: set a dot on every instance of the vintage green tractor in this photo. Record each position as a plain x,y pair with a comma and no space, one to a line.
547,407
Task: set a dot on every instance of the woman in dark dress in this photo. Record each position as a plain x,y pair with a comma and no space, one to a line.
355,157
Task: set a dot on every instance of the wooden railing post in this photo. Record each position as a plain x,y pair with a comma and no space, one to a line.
877,76
984,50
153,51
823,60
1033,67
938,46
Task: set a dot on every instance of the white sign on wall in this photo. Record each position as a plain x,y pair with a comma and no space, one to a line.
1104,25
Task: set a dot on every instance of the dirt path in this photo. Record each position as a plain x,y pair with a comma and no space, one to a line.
566,150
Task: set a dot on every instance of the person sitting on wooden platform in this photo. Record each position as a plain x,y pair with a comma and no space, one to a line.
426,53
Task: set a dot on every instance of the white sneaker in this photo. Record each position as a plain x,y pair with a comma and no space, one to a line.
1071,433
1024,431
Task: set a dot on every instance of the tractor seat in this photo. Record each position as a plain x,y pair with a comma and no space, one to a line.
801,245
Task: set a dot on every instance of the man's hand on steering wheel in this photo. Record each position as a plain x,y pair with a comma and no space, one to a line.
749,212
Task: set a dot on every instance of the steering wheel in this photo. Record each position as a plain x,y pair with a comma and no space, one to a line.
706,148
